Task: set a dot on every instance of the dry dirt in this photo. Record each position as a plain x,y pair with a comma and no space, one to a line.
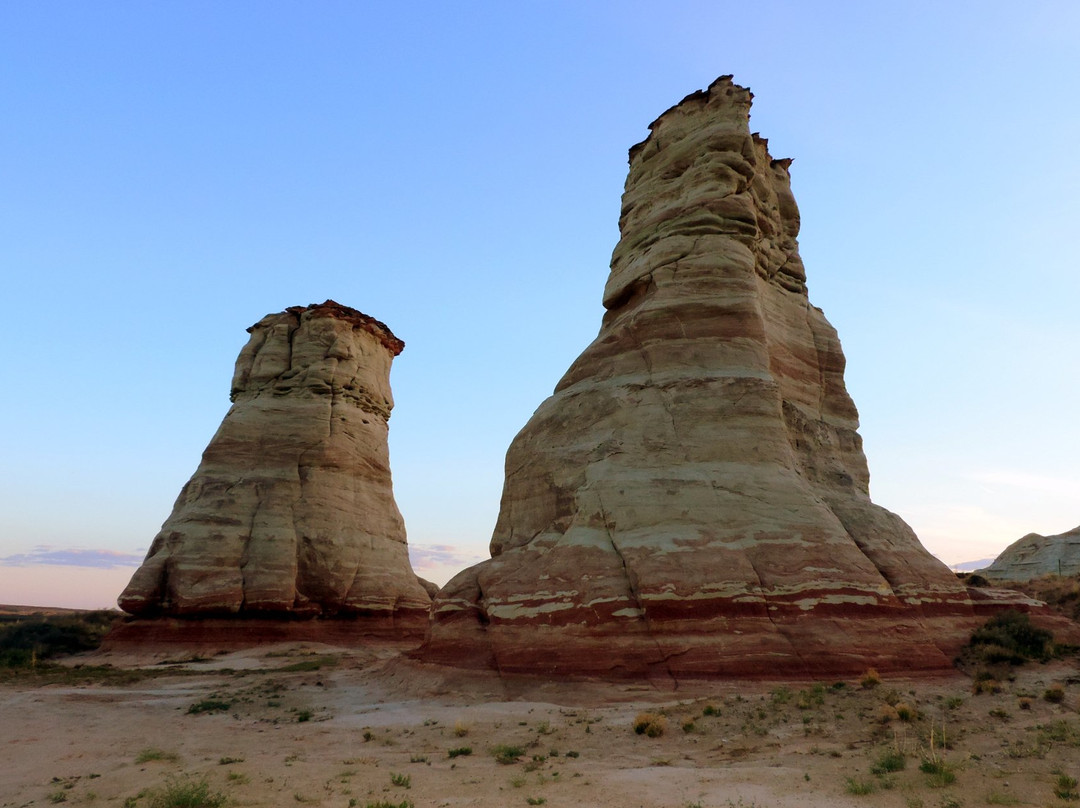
310,725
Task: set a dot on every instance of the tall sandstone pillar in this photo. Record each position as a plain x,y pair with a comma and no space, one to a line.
693,500
291,512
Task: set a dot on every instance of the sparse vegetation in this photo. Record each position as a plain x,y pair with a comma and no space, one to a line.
401,780
652,725
461,751
187,793
209,706
1008,638
1055,694
151,754
1065,788
939,773
507,754
859,787
889,762
870,679
28,641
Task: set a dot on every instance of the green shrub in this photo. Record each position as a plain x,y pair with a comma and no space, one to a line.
889,762
187,794
153,754
1009,637
1066,788
940,774
507,754
859,787
403,780
461,751
1055,694
25,641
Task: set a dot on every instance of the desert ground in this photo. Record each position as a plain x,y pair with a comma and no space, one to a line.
303,724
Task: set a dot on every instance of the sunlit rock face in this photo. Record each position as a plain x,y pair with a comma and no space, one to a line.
1036,555
693,500
291,511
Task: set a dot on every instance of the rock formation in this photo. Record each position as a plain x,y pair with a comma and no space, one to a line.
291,511
693,500
1036,555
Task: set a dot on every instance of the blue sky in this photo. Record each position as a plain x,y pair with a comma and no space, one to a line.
171,172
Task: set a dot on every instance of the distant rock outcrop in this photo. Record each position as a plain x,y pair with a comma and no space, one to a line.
291,511
1036,555
693,499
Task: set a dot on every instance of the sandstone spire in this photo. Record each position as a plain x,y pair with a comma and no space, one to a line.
291,511
694,498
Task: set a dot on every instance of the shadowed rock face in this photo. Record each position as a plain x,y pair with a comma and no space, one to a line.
693,500
291,511
1036,555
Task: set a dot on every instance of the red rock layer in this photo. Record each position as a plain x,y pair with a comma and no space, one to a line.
693,500
291,511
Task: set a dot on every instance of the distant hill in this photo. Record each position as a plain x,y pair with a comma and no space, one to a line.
36,611
971,566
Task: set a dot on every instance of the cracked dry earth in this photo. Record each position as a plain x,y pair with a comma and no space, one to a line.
311,725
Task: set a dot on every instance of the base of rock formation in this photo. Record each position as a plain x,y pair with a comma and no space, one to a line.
209,635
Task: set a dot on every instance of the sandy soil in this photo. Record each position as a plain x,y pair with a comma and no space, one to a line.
309,725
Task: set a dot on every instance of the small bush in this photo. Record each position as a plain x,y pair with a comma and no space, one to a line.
650,725
151,754
304,715
1009,637
905,712
889,762
461,751
402,780
711,709
1024,703
507,754
1066,788
887,713
209,706
940,773
859,787
986,684
572,754
1055,694
688,725
187,794
780,695
870,679
461,729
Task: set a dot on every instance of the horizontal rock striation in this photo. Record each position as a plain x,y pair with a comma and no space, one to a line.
693,500
1036,555
291,511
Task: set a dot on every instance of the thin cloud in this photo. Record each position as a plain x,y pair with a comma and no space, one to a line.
1028,482
48,556
429,557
